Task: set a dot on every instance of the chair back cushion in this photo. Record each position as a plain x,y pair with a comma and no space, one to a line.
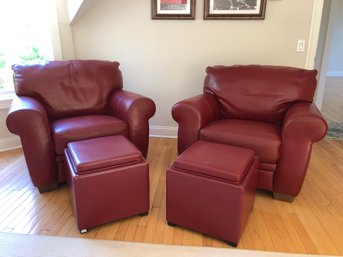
69,88
256,92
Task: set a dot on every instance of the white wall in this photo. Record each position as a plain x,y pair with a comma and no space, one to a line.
7,140
166,59
73,7
335,61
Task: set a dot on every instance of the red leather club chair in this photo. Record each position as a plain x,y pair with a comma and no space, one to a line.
63,101
267,109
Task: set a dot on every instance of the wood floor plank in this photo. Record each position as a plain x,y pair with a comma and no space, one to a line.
151,225
122,229
139,236
306,240
168,235
58,225
132,228
161,221
313,223
17,211
69,225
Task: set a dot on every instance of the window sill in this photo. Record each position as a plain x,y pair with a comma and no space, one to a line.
6,99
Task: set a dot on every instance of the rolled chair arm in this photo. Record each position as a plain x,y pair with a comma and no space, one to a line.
304,120
192,114
303,125
136,110
28,119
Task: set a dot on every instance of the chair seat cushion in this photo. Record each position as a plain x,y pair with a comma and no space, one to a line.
85,127
263,138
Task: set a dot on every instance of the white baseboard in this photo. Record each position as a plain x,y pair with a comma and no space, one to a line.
155,131
163,131
334,74
9,143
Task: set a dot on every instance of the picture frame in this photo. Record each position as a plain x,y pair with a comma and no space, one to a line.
234,9
173,9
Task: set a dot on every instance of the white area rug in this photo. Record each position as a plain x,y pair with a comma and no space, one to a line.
49,246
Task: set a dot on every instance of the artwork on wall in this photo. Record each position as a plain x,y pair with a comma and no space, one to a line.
235,9
173,9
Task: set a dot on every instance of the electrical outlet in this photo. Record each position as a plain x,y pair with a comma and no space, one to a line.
301,45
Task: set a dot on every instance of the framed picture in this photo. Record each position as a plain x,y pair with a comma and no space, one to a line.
235,9
173,9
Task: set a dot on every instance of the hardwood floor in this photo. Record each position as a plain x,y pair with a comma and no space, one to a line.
313,223
332,107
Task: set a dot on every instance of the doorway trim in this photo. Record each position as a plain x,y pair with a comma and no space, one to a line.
327,48
314,33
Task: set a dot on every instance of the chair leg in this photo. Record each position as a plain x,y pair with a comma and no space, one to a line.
48,188
171,224
283,197
144,214
232,244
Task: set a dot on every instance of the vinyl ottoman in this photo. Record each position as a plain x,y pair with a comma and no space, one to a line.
108,179
211,189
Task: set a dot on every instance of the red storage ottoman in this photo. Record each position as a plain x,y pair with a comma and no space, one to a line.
211,189
108,180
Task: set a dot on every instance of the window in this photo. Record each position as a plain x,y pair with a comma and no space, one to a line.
25,36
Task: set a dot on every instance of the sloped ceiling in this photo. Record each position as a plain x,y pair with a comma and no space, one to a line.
77,8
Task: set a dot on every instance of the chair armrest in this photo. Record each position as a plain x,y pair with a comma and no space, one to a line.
136,110
304,121
192,114
28,119
303,125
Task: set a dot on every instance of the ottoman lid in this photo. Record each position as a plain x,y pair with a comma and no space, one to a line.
104,152
225,162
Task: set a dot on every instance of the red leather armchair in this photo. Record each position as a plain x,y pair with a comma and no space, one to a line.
267,109
63,101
